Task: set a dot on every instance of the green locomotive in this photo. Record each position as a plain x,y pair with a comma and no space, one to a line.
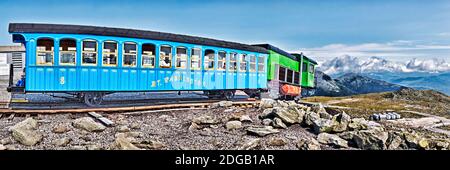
287,73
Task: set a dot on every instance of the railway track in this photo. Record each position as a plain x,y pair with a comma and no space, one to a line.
133,106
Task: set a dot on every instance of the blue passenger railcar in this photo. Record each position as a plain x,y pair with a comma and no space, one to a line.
93,61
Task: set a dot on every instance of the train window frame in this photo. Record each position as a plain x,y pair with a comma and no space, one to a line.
261,61
51,52
252,63
208,60
284,73
311,68
290,76
198,59
305,67
222,61
296,77
243,60
124,54
110,53
161,57
83,51
68,51
180,58
150,54
233,62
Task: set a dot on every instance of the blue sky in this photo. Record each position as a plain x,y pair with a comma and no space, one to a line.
398,30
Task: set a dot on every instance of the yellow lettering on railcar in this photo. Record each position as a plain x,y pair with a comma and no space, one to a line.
153,83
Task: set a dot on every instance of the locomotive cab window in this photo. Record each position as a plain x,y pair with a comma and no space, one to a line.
89,52
296,77
233,59
129,54
148,55
165,56
181,59
289,76
209,59
261,67
196,59
282,74
67,51
110,53
305,67
243,62
252,63
311,69
222,62
44,51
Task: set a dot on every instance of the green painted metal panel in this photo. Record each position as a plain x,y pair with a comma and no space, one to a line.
307,77
275,58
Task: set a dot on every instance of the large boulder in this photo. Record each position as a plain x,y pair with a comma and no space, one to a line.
374,139
205,119
322,126
332,140
320,109
308,144
340,122
278,123
310,117
233,125
290,115
267,103
261,131
358,124
26,132
268,113
413,140
395,141
88,124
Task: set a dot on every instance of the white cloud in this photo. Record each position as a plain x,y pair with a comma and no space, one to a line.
401,50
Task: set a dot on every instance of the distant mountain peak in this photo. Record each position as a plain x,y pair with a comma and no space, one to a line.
346,64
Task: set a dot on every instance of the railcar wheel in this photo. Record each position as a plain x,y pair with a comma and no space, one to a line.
93,99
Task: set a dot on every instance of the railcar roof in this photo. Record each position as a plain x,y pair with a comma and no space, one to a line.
309,59
131,33
277,50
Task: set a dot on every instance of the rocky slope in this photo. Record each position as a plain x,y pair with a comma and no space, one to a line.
271,125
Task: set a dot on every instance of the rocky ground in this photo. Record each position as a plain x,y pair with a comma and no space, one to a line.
271,125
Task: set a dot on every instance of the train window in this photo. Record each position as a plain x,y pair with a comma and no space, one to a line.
243,62
181,60
296,77
222,61
44,51
252,63
311,69
129,54
110,53
67,51
282,74
148,55
165,56
289,76
261,67
209,59
89,52
233,59
196,59
305,67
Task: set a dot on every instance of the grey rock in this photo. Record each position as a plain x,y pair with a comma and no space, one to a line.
332,140
250,144
323,125
61,128
308,144
205,119
373,139
61,142
278,123
266,122
88,124
289,115
123,142
310,117
267,103
261,131
340,122
358,124
231,125
245,118
25,132
277,141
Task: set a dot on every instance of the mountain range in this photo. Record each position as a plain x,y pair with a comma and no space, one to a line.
419,74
